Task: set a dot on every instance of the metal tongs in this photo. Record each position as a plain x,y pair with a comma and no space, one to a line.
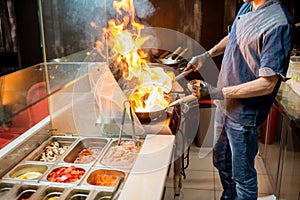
174,57
136,143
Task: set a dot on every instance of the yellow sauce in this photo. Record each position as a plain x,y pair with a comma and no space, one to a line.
53,198
30,175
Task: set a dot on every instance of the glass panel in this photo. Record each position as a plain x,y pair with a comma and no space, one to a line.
23,102
25,98
70,28
82,98
60,74
73,105
86,100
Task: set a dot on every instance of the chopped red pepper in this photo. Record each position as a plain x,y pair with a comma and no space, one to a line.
66,174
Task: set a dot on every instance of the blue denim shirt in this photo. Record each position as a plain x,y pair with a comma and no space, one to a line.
259,44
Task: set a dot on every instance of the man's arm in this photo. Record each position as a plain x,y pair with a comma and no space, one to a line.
197,61
259,87
219,48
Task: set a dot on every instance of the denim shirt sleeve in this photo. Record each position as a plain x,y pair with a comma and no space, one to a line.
276,49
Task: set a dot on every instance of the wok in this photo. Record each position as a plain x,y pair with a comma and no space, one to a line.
147,117
157,115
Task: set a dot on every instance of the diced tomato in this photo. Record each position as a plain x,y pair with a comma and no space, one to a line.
66,174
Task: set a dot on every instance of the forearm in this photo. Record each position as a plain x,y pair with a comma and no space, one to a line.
219,48
259,87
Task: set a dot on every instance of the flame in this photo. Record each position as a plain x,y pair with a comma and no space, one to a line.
150,95
125,42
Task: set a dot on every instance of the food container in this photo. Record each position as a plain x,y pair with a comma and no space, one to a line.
5,188
102,195
77,194
51,193
64,175
48,151
120,156
26,172
85,151
104,179
23,192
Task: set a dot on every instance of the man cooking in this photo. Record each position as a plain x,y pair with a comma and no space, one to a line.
256,56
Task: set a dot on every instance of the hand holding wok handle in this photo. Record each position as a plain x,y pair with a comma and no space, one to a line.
205,91
197,62
201,91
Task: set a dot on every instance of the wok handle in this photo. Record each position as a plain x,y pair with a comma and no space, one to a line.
183,74
185,99
182,53
175,53
189,98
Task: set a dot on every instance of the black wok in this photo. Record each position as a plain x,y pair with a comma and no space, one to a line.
147,117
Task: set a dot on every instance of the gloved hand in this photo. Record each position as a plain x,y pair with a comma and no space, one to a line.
197,62
205,91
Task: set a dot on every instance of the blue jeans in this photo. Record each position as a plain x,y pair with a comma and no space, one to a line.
234,151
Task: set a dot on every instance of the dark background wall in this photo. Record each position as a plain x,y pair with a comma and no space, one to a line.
214,17
28,32
28,51
204,21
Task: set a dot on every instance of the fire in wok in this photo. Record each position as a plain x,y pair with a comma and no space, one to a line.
148,98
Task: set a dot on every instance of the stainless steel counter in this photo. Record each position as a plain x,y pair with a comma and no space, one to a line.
156,152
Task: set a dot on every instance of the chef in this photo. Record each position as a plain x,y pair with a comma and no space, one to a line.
255,61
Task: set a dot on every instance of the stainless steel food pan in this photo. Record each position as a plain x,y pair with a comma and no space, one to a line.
117,157
101,195
5,188
94,145
51,192
65,142
45,181
77,194
26,172
22,192
104,179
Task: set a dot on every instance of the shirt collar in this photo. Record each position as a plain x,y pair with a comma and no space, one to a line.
266,4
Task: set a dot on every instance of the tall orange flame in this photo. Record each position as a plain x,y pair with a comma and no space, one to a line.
125,41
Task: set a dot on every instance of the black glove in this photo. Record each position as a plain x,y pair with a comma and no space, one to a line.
197,62
205,91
